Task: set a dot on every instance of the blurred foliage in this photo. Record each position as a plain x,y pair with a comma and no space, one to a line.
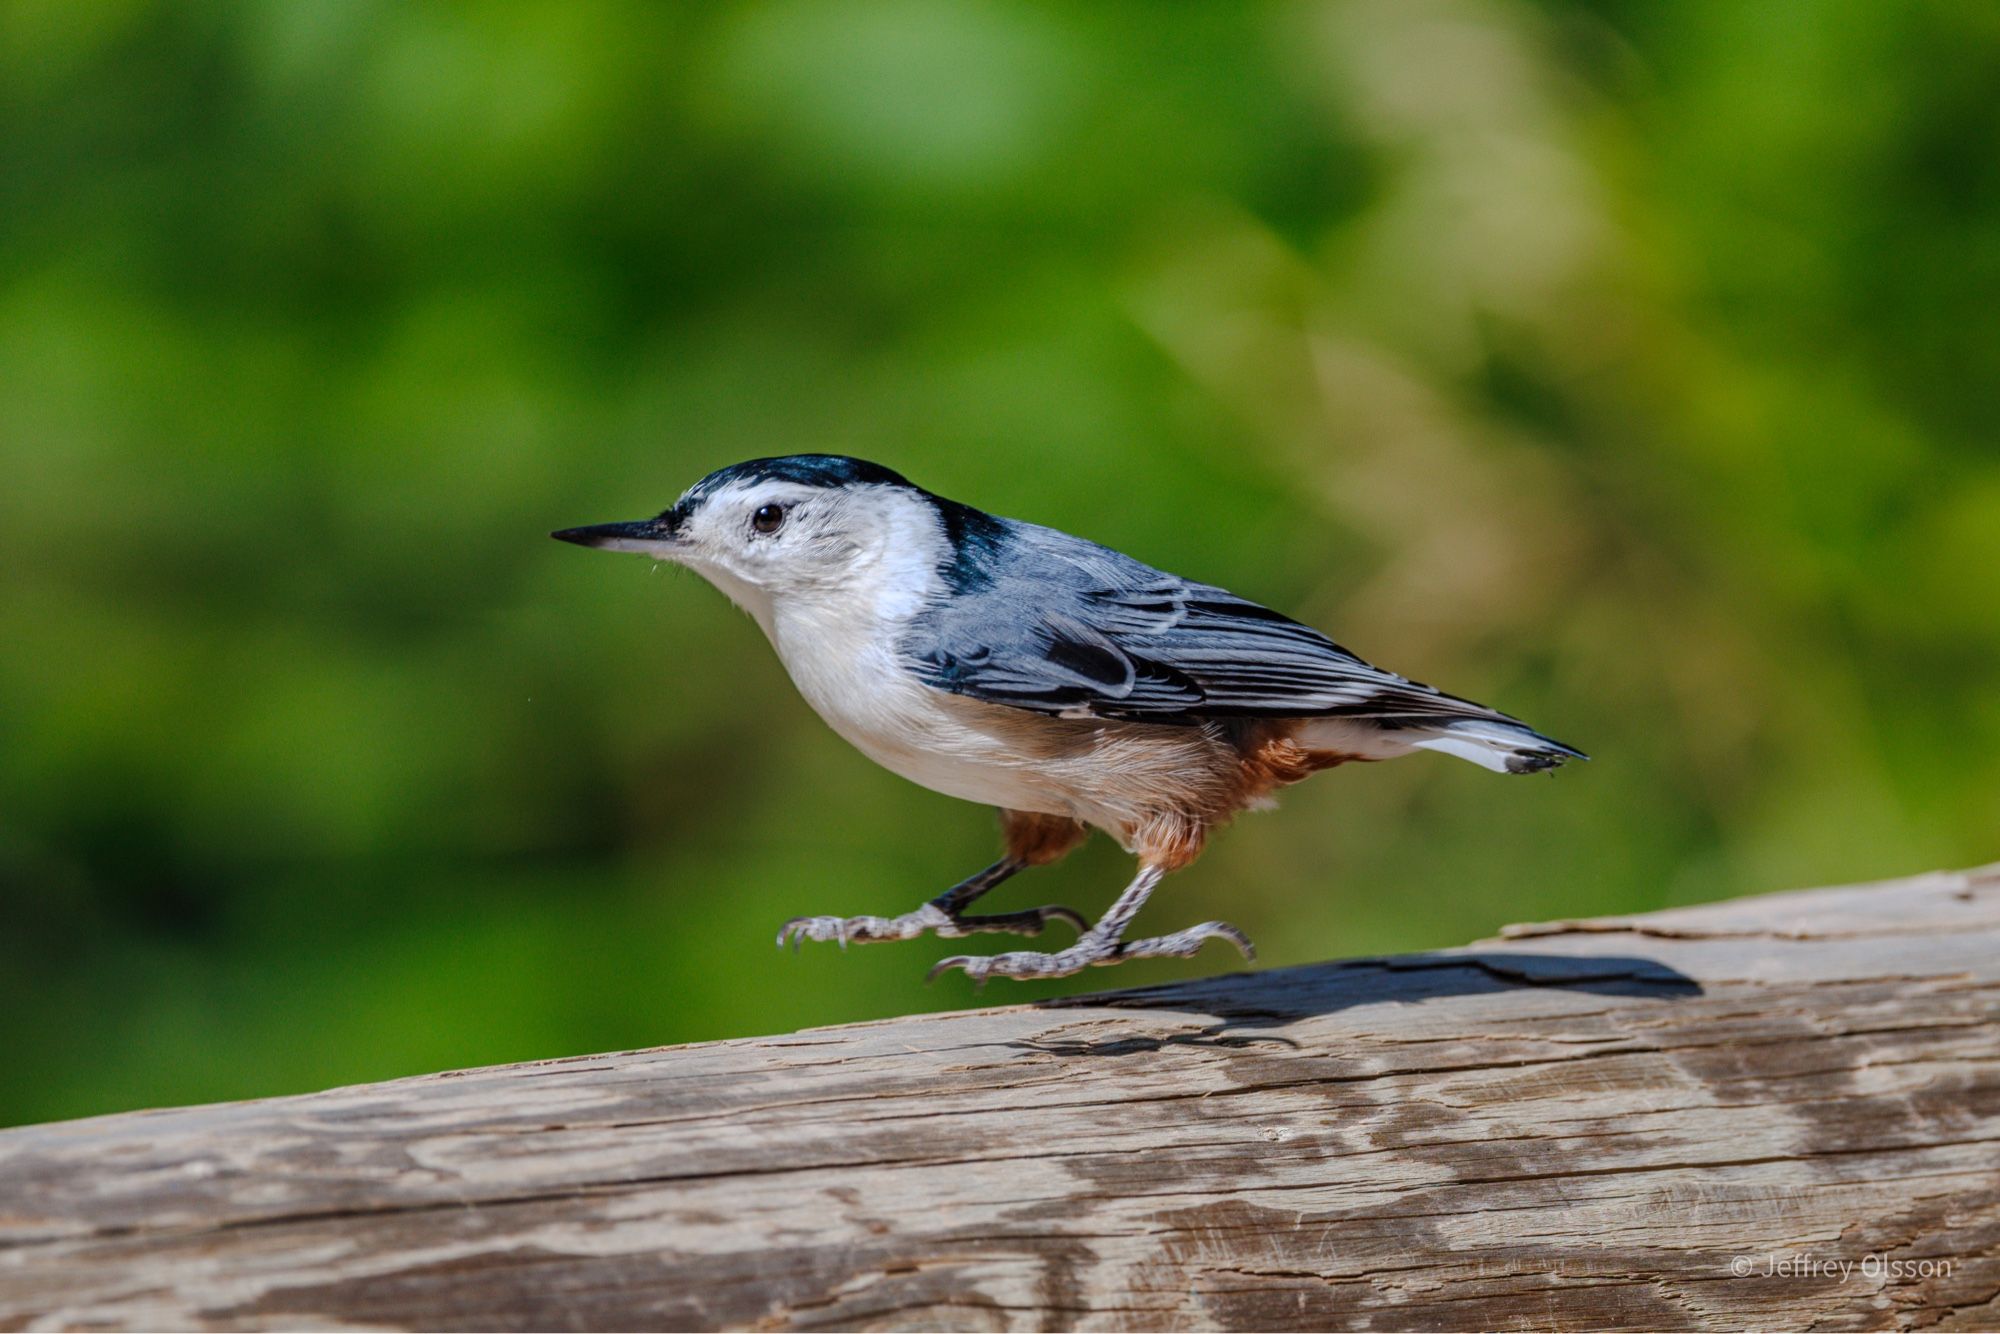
1629,366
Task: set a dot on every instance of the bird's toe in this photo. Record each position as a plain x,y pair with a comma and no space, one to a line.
813,928
1070,915
973,964
1225,931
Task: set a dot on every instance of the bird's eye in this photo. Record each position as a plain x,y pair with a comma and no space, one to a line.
768,518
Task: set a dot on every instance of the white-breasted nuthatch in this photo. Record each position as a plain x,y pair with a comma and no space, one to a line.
1064,682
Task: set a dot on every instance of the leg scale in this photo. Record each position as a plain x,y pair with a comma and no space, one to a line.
930,917
1093,950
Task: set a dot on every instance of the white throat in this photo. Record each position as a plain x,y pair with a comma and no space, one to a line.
835,629
750,597
888,581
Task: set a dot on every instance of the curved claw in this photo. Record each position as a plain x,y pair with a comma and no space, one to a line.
1184,944
975,967
1236,938
1070,915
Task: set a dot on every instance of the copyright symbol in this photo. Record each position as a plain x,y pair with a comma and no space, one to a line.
1740,1266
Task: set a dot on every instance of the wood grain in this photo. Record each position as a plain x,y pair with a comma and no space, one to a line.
1581,1125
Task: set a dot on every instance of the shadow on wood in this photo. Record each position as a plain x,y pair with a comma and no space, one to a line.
1779,1111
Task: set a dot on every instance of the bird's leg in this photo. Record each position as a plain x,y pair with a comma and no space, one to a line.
1101,945
944,914
1027,922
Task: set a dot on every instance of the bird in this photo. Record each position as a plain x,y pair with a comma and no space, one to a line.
1068,684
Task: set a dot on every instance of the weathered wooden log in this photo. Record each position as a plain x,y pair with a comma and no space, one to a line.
1781,1111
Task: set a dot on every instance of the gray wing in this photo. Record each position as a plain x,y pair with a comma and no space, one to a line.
1062,626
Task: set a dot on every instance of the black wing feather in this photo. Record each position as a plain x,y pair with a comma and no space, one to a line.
1064,626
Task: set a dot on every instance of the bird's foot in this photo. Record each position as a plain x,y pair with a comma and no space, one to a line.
1093,951
930,917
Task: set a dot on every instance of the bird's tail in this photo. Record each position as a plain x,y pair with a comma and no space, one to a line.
1440,722
1502,745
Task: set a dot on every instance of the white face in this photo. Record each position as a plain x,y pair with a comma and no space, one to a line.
781,537
855,551
793,549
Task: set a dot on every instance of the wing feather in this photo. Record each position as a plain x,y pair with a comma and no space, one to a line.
1064,626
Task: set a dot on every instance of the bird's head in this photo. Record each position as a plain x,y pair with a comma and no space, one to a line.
802,526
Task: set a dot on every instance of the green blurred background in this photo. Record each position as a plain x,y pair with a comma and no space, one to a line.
1629,366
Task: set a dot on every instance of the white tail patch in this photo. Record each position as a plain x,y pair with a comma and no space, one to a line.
1485,754
1490,743
1504,747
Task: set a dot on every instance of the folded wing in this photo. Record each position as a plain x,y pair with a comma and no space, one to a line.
1063,626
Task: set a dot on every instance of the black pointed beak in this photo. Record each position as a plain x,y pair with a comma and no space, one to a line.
653,536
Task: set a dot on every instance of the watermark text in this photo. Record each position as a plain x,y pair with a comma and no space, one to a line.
1873,1267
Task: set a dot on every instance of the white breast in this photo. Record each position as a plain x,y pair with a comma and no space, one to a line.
848,672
